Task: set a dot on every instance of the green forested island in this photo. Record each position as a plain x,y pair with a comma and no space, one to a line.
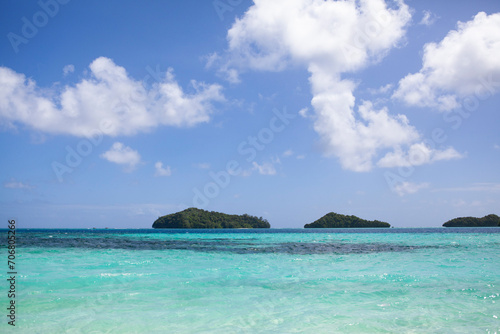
489,220
198,218
335,220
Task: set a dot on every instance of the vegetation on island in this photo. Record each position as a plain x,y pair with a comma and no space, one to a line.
489,220
198,218
335,220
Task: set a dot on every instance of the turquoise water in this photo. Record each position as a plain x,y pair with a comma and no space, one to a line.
257,281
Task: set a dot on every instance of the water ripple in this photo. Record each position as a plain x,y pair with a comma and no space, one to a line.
213,245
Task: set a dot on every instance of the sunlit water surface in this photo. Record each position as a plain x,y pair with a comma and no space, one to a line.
257,281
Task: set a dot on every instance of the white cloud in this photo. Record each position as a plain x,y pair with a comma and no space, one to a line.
405,188
329,38
122,155
287,153
68,69
108,101
428,19
356,142
339,35
13,184
496,147
418,154
266,168
161,171
304,112
465,64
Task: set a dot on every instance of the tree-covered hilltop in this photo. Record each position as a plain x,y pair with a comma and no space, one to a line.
198,218
335,220
489,220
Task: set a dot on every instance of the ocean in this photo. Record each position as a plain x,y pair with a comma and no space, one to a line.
422,280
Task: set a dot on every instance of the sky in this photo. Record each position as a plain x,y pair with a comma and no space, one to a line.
113,113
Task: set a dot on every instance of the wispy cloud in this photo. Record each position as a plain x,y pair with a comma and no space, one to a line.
13,184
405,188
481,187
428,18
381,90
203,165
290,153
130,209
266,168
474,204
223,69
68,69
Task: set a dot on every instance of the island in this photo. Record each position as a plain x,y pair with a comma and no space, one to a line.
198,218
336,220
489,220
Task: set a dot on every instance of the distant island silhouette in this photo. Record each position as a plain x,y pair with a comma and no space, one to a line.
193,218
489,220
336,220
198,218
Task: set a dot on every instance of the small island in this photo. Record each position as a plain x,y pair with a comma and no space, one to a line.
198,218
335,220
486,221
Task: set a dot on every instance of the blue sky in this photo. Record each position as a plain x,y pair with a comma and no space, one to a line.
114,113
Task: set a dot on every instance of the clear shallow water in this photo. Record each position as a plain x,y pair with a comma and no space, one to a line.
258,281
